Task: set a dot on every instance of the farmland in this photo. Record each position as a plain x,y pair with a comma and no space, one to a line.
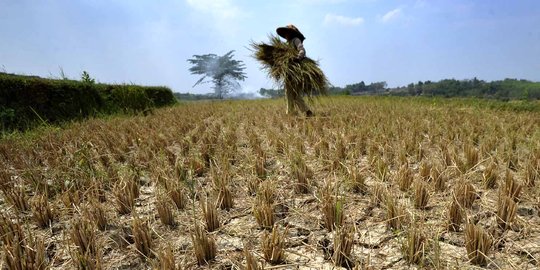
368,183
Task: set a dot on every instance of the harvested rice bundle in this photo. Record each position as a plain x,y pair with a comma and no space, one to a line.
279,59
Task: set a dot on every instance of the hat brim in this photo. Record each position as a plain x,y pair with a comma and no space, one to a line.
287,33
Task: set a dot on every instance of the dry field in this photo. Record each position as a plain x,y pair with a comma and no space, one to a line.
369,183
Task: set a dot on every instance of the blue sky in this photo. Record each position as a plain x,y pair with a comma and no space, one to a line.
149,41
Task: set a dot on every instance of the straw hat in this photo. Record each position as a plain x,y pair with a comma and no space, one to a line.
290,31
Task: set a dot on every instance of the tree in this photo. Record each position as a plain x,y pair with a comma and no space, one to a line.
224,71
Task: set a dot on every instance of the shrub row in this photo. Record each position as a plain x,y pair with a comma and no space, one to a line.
28,100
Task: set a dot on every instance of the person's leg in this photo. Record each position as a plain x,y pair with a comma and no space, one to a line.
302,106
290,101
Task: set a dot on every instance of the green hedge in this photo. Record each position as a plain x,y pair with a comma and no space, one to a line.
27,100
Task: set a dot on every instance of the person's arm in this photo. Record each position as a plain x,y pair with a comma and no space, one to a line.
300,47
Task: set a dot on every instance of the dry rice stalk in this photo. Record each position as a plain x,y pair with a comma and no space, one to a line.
178,197
210,214
96,213
471,156
506,212
395,214
264,214
357,180
301,173
421,194
266,192
343,243
332,208
16,196
142,237
225,198
425,170
531,174
125,194
41,211
439,179
251,262
404,178
379,194
165,260
82,234
511,187
478,244
490,175
273,245
465,194
203,245
414,246
455,216
25,253
165,213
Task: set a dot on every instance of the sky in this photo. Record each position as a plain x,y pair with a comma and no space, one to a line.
149,41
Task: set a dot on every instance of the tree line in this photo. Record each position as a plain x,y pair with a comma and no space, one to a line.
507,89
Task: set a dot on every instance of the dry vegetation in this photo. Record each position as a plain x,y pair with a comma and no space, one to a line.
369,183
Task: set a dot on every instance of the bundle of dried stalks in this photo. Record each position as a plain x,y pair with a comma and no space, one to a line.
414,246
165,260
142,237
273,245
425,170
404,178
395,214
210,214
165,213
178,197
224,197
251,262
343,243
511,187
357,180
96,213
125,193
16,196
82,234
455,216
490,175
41,211
21,251
465,194
332,208
279,59
506,211
478,244
264,213
421,194
204,246
439,179
301,173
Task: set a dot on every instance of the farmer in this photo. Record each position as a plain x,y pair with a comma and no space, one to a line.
294,37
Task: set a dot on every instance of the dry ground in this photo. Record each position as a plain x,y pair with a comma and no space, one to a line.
370,183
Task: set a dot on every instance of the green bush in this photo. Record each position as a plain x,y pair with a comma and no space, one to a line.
27,100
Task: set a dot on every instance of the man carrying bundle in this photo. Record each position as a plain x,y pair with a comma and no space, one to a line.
288,65
296,38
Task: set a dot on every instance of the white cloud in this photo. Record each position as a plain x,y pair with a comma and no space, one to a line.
223,9
391,15
343,20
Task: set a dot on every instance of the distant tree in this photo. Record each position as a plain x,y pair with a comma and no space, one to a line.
224,72
85,78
